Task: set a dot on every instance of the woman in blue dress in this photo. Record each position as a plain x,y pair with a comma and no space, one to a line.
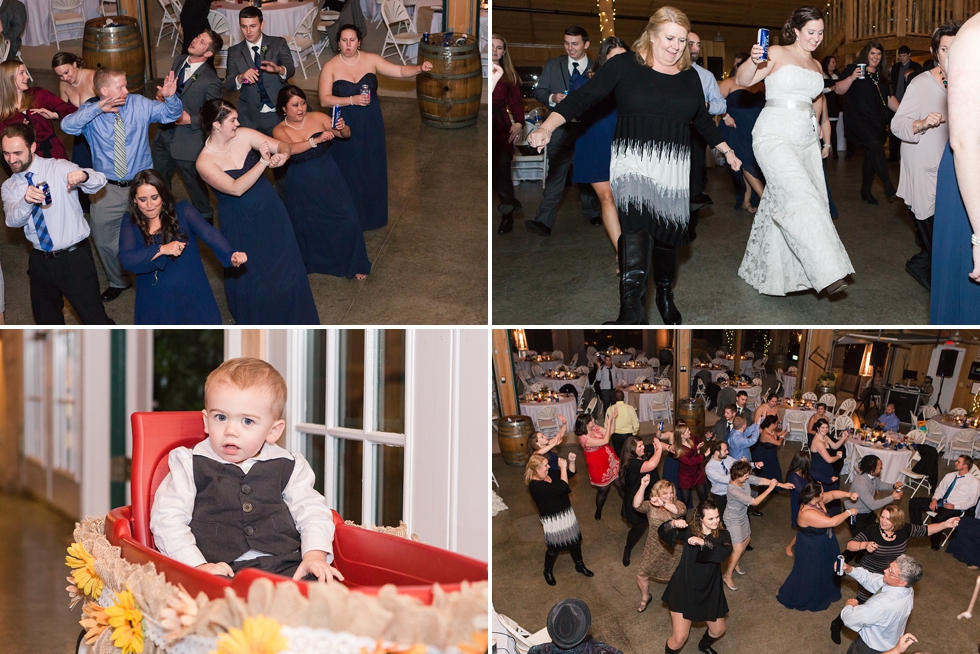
823,458
350,81
158,244
744,104
799,476
316,195
593,148
812,584
272,289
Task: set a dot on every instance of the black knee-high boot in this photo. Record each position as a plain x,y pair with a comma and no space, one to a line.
667,650
549,565
705,645
634,267
576,552
664,269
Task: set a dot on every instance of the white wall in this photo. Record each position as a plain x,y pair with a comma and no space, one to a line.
94,478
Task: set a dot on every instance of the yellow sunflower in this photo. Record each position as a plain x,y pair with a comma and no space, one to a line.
83,570
126,621
258,635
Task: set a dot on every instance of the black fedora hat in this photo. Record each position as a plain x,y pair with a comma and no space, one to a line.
568,622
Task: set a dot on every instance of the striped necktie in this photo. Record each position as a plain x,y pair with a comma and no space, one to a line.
119,148
43,237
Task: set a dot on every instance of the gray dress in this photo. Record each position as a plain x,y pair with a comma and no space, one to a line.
737,511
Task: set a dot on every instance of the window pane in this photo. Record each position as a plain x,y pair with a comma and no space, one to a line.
314,451
391,382
391,476
182,361
349,477
316,377
352,381
64,380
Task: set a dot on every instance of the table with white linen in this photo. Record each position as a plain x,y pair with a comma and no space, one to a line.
566,407
629,375
789,384
618,358
278,18
40,29
545,365
642,401
782,409
556,384
950,430
715,373
745,368
892,461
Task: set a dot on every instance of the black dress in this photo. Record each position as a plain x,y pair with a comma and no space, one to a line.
694,590
866,107
632,479
651,149
561,531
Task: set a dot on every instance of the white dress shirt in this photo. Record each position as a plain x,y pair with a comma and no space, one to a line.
64,219
719,474
881,620
717,105
583,65
605,379
964,494
173,505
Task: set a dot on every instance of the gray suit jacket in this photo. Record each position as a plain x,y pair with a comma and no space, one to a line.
866,488
554,79
204,85
240,59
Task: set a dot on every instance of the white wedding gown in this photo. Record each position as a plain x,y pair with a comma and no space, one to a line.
793,245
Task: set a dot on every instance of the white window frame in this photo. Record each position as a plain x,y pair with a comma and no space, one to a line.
66,365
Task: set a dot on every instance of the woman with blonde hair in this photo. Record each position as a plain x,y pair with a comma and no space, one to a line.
549,490
658,96
507,128
21,103
659,561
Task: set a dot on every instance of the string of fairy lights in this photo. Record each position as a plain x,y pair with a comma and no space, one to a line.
606,18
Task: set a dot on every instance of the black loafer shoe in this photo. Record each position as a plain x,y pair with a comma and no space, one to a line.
112,293
757,514
535,227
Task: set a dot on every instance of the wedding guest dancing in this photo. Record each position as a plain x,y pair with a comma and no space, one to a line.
272,289
659,561
881,620
319,202
507,128
658,96
799,476
634,466
694,593
793,245
35,106
76,85
600,459
549,490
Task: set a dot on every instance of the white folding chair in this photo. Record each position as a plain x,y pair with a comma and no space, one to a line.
842,423
810,396
582,370
537,370
595,400
302,42
573,361
697,361
958,411
5,49
754,397
170,20
964,442
558,354
113,7
830,400
721,378
795,423
219,24
760,365
928,411
66,13
659,404
914,479
530,167
395,15
327,19
178,6
757,381
664,381
654,363
847,407
548,420
701,392
935,435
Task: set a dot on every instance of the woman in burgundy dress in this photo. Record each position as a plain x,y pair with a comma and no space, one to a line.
20,103
507,128
689,450
600,459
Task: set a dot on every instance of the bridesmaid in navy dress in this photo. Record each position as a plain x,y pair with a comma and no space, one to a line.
593,148
158,244
272,289
316,195
350,81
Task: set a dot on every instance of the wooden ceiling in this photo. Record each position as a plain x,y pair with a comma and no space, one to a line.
736,20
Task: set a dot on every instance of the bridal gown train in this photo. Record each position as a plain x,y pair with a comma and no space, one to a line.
793,245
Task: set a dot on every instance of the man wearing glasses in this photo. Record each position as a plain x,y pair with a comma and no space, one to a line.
880,621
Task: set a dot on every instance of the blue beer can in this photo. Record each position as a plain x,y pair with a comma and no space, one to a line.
762,38
336,116
46,189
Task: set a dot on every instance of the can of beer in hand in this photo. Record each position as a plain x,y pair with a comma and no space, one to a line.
840,566
46,189
336,117
862,68
762,38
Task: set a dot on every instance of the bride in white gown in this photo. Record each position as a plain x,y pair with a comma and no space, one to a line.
793,245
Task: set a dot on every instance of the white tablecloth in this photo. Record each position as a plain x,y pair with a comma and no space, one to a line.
279,19
714,373
629,375
789,385
745,368
643,403
40,29
892,461
782,409
949,431
556,384
545,365
566,407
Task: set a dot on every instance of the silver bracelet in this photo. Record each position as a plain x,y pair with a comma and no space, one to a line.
975,239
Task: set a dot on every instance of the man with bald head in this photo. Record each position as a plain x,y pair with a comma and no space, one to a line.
716,107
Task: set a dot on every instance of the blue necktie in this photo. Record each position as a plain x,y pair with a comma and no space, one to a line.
180,79
577,80
724,467
263,94
950,489
43,238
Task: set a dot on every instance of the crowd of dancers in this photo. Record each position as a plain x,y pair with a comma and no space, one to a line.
330,175
696,554
634,125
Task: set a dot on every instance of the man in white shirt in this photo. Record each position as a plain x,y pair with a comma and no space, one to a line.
880,621
718,470
61,263
957,492
603,381
717,106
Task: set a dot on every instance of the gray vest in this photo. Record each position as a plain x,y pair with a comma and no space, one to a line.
236,512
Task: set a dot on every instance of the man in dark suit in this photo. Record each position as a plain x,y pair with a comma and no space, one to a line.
559,76
741,408
724,426
901,74
177,145
258,66
13,16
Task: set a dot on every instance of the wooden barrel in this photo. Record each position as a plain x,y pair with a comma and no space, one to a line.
115,45
691,411
822,389
513,433
449,95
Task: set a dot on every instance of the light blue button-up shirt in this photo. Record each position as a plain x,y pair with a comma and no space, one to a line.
881,620
739,442
717,105
99,129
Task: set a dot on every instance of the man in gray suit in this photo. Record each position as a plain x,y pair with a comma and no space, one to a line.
177,145
559,76
258,67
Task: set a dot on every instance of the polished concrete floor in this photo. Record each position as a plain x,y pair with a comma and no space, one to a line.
756,622
429,264
570,277
34,615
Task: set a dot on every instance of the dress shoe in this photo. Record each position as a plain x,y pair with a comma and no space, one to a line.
581,569
749,548
705,645
550,578
837,287
892,196
700,201
596,220
535,227
835,628
867,197
506,223
757,514
113,292
626,558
